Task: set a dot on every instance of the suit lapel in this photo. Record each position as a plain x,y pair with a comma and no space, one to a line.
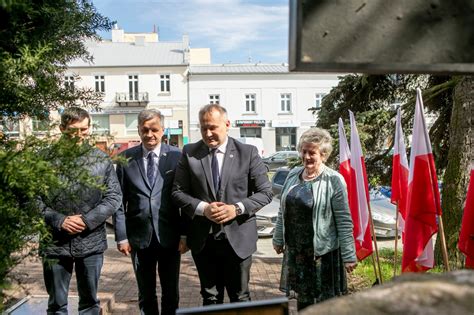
206,166
162,167
227,167
139,160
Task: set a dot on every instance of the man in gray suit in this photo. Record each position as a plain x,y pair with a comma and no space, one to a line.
220,184
147,226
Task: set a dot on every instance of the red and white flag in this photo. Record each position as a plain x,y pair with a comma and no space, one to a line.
400,172
466,236
359,195
423,203
344,157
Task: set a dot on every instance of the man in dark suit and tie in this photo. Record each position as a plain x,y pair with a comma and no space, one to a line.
147,226
220,184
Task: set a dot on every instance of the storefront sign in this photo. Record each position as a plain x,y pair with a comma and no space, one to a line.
250,123
285,123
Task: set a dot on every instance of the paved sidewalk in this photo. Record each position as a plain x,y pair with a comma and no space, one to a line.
118,281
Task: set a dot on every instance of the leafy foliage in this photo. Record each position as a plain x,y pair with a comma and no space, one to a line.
30,169
37,40
374,99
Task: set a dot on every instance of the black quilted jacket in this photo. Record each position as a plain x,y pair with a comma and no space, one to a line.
95,206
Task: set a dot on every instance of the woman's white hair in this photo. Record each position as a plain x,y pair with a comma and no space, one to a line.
320,138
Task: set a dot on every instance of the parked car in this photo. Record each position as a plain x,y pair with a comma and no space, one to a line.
256,142
383,211
279,159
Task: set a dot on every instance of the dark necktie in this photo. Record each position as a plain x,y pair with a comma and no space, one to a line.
215,169
150,171
216,228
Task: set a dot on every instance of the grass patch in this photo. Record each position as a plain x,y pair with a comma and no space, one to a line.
363,276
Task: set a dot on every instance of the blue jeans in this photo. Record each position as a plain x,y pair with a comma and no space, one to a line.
57,272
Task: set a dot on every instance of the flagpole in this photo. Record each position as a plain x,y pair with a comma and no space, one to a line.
396,244
374,239
377,281
443,244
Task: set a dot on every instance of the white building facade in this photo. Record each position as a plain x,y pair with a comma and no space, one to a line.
263,101
134,72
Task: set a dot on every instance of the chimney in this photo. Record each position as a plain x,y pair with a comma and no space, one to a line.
186,48
117,34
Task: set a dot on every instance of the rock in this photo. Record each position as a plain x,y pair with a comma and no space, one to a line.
408,294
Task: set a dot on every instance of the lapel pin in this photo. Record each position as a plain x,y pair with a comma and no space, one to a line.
231,155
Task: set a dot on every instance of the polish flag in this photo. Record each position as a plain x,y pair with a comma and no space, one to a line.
423,203
344,158
359,195
466,236
400,171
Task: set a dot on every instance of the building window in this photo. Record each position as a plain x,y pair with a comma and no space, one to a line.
285,139
250,132
133,87
214,99
250,103
9,127
285,100
131,123
69,82
164,83
318,99
100,124
39,125
99,83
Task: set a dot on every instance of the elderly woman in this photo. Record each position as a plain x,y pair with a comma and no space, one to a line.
314,225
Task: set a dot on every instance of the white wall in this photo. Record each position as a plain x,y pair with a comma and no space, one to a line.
173,104
232,90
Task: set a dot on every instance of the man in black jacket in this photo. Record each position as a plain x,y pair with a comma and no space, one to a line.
76,218
220,184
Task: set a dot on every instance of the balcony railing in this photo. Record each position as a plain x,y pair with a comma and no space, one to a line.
132,99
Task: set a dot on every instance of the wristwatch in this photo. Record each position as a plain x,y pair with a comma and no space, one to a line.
238,210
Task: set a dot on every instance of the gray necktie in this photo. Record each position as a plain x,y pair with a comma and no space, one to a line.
150,172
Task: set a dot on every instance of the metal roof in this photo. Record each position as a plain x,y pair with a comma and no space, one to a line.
238,68
123,54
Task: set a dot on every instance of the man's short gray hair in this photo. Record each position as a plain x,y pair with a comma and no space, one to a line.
148,114
206,109
319,137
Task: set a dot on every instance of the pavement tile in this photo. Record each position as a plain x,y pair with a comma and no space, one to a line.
118,280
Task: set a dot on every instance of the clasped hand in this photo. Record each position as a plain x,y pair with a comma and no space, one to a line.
219,212
73,224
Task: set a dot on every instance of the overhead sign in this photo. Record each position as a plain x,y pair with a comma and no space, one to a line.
250,123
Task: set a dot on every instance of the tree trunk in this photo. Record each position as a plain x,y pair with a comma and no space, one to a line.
456,177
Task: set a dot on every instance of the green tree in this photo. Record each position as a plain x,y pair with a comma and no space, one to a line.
37,40
448,100
456,176
372,99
